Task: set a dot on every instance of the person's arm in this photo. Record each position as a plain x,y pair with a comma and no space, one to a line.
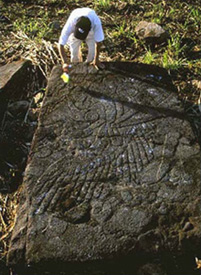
63,57
96,61
98,37
97,52
66,31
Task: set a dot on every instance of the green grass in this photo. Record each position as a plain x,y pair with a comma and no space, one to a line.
149,57
34,28
119,18
102,3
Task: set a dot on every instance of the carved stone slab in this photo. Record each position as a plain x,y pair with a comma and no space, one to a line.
114,169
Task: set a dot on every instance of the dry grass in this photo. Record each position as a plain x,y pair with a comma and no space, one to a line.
43,54
8,206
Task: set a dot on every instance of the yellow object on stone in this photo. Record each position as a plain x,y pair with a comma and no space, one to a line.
65,77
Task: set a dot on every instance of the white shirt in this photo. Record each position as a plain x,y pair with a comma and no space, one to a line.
69,27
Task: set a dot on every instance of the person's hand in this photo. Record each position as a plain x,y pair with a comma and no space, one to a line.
65,68
98,65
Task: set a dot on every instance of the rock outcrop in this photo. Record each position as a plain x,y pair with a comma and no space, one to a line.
151,32
113,174
17,80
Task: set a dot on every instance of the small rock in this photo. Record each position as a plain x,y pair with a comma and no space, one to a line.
163,209
18,107
151,32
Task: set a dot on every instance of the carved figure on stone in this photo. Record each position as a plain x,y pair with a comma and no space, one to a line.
113,172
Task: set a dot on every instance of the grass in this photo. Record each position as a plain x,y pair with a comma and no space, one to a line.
181,20
32,29
102,3
8,205
31,34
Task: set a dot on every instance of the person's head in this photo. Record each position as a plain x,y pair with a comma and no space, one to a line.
82,28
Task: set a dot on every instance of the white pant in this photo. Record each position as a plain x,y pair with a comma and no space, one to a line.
75,48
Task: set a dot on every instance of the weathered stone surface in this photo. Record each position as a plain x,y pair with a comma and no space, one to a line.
18,107
150,269
113,171
17,80
18,77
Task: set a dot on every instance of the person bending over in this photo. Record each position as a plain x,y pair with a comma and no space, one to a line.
83,24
